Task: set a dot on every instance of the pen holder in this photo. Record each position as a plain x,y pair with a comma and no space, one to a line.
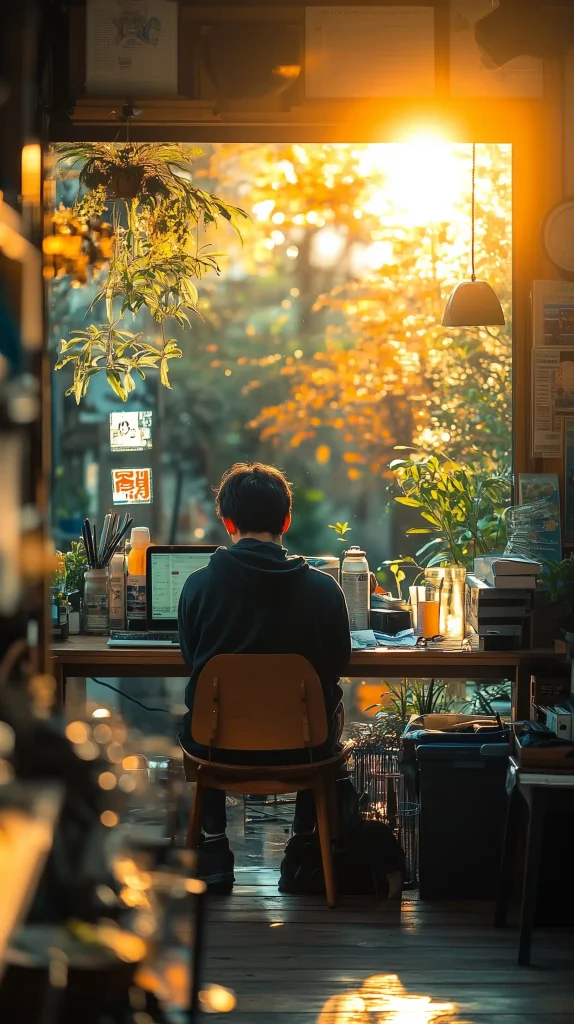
96,602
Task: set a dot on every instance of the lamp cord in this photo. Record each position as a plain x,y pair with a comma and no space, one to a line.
473,276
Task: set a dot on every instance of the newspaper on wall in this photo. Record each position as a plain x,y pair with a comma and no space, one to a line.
471,73
546,426
552,364
362,52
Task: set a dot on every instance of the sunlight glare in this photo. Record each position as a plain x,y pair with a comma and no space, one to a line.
424,179
384,998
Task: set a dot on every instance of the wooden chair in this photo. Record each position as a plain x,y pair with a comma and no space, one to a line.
251,702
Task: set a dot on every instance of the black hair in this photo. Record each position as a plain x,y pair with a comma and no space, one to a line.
256,498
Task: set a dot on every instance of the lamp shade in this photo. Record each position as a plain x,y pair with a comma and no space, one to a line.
473,304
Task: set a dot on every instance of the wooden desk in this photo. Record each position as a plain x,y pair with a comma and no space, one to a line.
83,657
537,786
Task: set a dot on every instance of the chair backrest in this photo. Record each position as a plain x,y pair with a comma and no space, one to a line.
259,702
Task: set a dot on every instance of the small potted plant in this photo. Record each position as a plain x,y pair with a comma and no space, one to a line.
59,599
555,618
341,529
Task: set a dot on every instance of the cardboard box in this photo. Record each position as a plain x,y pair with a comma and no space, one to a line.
559,720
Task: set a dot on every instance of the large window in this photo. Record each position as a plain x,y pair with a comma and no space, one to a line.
318,348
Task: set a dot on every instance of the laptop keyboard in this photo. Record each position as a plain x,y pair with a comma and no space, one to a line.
145,638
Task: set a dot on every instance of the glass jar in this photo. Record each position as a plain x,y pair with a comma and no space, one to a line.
96,602
451,579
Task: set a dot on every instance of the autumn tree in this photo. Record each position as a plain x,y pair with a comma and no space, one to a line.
385,371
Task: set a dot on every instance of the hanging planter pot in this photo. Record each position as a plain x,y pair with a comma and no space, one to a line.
125,183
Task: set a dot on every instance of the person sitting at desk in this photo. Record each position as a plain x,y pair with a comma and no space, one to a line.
253,598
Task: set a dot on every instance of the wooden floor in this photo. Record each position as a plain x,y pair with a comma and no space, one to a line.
291,960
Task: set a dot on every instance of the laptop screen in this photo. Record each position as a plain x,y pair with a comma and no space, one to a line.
169,571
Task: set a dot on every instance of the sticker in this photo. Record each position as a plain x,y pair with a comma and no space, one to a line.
131,487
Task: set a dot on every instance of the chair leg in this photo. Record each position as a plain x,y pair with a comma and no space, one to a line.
195,817
322,805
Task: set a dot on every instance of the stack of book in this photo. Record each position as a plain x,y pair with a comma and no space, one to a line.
507,572
499,597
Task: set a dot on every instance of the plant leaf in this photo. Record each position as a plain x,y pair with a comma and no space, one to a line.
115,383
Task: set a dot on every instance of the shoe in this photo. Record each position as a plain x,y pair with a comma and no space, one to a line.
300,850
215,863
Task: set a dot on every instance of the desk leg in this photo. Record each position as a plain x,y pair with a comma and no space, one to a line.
508,858
537,808
75,698
521,697
59,673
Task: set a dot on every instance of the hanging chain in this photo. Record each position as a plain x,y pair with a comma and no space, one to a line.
473,277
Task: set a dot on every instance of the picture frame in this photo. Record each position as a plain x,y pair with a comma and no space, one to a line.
553,314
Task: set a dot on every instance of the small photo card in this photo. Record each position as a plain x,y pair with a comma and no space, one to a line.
130,431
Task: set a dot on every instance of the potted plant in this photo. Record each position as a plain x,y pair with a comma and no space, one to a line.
555,616
155,256
463,508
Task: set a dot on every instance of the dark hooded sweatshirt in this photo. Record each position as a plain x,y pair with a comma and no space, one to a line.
254,599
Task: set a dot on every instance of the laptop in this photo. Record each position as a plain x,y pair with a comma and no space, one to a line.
168,566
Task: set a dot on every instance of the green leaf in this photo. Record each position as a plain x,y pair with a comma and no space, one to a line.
66,359
411,502
115,383
163,374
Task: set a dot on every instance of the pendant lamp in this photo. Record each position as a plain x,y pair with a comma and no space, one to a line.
473,303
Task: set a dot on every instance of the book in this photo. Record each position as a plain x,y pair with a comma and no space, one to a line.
511,582
503,565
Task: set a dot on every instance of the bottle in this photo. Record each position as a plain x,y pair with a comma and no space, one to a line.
140,542
96,602
117,583
136,597
356,584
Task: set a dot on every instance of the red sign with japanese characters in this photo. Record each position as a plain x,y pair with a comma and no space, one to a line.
131,486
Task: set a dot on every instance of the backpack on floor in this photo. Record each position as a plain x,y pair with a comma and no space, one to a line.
363,856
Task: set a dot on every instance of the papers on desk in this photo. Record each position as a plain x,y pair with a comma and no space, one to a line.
406,638
369,640
363,640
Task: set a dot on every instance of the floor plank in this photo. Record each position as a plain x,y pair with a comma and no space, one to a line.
291,960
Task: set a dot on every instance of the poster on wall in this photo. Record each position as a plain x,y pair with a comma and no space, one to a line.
372,51
470,72
132,487
553,314
545,542
130,431
546,425
569,481
131,47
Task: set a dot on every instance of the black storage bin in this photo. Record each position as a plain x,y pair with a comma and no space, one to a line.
463,800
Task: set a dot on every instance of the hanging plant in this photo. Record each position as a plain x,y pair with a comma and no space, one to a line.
155,255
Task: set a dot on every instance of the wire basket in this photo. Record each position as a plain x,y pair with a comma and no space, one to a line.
378,780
